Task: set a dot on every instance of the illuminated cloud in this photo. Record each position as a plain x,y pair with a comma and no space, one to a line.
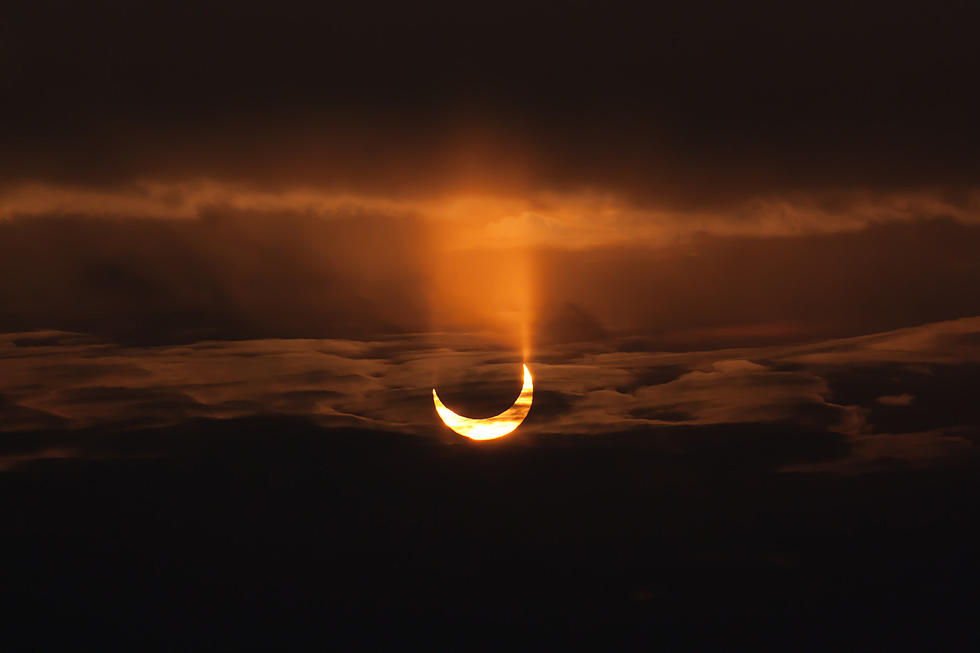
494,217
386,384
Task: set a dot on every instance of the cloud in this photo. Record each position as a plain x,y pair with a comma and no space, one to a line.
548,144
572,219
861,388
14,417
880,452
728,391
11,461
732,111
896,400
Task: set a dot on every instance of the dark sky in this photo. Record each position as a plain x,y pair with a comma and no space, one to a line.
700,102
737,245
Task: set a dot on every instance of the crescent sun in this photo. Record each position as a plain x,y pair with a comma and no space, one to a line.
492,427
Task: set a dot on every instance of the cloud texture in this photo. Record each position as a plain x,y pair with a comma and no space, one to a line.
58,379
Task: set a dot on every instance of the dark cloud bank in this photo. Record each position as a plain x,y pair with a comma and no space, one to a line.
276,533
698,103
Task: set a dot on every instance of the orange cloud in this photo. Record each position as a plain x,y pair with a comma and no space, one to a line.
491,217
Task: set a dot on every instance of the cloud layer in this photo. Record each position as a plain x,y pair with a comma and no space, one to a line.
55,379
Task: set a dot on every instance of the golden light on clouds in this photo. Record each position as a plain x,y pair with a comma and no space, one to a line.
492,217
492,427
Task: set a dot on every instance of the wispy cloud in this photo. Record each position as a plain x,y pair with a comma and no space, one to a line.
54,378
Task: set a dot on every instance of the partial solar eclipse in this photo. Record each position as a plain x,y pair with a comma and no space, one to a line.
492,427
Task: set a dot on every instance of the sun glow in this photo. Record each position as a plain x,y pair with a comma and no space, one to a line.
492,427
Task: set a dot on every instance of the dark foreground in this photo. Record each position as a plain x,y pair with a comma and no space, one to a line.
279,535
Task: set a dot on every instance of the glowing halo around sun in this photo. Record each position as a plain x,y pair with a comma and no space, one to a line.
492,427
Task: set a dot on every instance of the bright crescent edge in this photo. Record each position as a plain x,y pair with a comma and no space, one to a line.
491,427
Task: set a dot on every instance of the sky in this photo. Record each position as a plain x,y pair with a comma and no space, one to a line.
547,178
736,244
